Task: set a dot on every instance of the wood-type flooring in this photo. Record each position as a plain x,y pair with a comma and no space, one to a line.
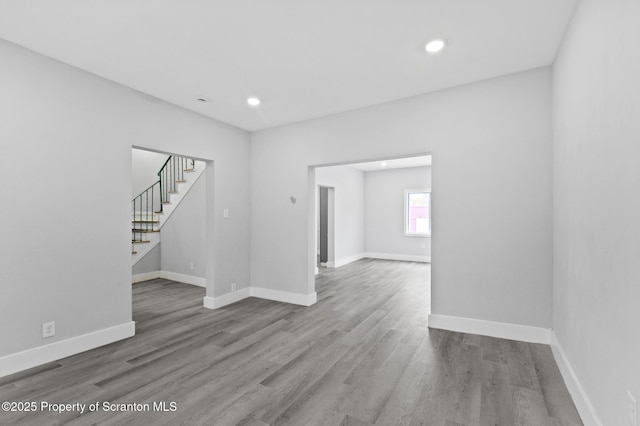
363,355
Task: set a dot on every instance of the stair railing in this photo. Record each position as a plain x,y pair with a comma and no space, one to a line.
172,173
150,201
144,211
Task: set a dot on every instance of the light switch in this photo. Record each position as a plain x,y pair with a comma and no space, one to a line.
225,213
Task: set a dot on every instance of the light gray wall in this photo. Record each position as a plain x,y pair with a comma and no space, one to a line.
384,211
596,116
491,145
348,208
65,250
183,234
144,169
150,262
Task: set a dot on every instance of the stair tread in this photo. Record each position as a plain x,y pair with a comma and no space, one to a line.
147,214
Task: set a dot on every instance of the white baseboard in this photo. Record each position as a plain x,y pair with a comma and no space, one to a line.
285,296
226,299
20,361
182,278
393,256
386,256
349,259
145,276
523,333
174,276
579,396
262,293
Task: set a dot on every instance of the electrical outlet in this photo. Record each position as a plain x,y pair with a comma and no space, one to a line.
233,286
632,409
48,329
191,266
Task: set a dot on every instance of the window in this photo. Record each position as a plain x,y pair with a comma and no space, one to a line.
417,212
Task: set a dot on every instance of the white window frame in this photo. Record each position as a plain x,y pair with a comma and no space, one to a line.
406,213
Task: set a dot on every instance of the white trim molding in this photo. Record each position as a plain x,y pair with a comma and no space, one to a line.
285,296
174,276
20,361
182,278
523,333
393,256
579,396
384,256
262,293
349,259
145,276
226,299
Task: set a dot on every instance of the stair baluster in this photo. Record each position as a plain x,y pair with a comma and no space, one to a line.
147,205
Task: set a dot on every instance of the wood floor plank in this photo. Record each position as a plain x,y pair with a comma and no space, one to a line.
530,408
353,421
557,401
497,407
464,403
362,355
323,400
522,372
380,385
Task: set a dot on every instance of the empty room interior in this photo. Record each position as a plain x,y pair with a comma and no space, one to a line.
349,213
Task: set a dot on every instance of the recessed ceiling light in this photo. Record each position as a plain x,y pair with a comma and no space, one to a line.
202,99
254,102
383,164
434,46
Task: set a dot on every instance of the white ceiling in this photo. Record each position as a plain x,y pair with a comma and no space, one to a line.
397,163
303,59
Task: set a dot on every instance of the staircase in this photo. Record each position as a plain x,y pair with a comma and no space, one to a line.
154,205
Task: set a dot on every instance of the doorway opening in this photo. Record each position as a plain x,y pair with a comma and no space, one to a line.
371,210
169,220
